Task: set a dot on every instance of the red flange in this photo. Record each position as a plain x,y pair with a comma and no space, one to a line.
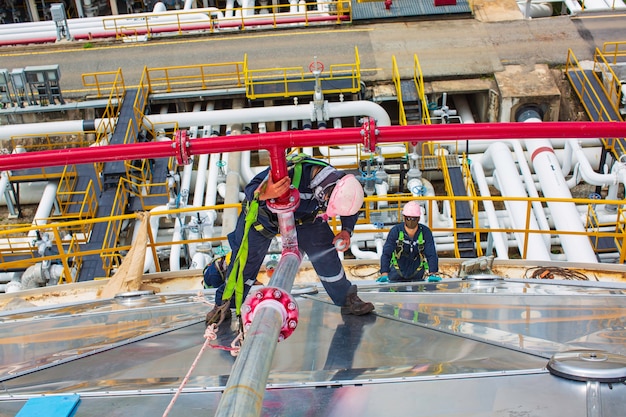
183,156
369,132
276,298
285,203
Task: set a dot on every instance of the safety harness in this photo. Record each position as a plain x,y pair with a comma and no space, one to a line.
296,161
235,281
419,254
220,267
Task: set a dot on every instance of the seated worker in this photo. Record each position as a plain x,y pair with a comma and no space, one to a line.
409,250
325,192
215,272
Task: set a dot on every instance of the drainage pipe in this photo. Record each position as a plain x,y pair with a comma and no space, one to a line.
244,391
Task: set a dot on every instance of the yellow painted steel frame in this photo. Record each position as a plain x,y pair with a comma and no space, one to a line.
286,79
18,249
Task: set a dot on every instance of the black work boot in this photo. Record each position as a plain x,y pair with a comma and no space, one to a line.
218,314
354,305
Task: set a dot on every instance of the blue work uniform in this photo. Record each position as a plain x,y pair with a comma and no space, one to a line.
315,237
215,273
409,255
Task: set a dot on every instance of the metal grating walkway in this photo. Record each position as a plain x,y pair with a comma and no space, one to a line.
405,8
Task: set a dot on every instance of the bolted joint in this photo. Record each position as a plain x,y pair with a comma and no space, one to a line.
272,297
182,146
285,203
369,132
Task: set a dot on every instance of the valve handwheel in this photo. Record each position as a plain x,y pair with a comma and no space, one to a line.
316,66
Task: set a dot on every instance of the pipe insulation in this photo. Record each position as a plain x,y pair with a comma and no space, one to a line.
576,247
499,156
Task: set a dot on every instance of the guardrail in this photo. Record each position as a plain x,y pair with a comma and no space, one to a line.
211,20
297,81
19,249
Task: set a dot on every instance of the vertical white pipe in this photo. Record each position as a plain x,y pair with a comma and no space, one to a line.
183,198
499,238
565,215
540,213
149,261
499,156
44,209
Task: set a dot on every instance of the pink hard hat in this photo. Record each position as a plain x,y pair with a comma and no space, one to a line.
412,209
346,198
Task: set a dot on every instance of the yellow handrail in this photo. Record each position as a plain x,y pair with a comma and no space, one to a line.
18,247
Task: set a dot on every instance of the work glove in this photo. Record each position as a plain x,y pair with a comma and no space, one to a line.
434,278
383,278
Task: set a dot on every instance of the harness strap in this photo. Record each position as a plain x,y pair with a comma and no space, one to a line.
235,282
297,160
397,253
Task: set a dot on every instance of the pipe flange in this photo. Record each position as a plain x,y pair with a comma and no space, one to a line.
276,298
182,144
285,204
589,365
369,133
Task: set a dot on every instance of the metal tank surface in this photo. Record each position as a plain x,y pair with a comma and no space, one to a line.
485,347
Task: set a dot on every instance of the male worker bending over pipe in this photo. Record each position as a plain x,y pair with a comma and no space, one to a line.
325,192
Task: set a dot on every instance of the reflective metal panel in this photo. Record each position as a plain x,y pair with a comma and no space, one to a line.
426,344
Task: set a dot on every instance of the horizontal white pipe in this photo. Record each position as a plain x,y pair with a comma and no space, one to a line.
229,116
273,114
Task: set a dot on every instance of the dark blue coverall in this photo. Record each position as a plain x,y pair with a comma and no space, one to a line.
314,238
409,263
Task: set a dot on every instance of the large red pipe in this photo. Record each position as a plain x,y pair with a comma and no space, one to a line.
277,142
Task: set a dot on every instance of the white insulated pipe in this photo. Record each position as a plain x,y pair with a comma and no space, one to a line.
531,189
217,117
365,254
272,114
566,218
565,215
44,209
499,156
498,238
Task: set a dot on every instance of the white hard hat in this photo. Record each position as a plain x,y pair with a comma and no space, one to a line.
346,198
412,209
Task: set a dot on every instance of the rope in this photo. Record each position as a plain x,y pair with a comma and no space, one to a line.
235,282
553,272
210,334
354,271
